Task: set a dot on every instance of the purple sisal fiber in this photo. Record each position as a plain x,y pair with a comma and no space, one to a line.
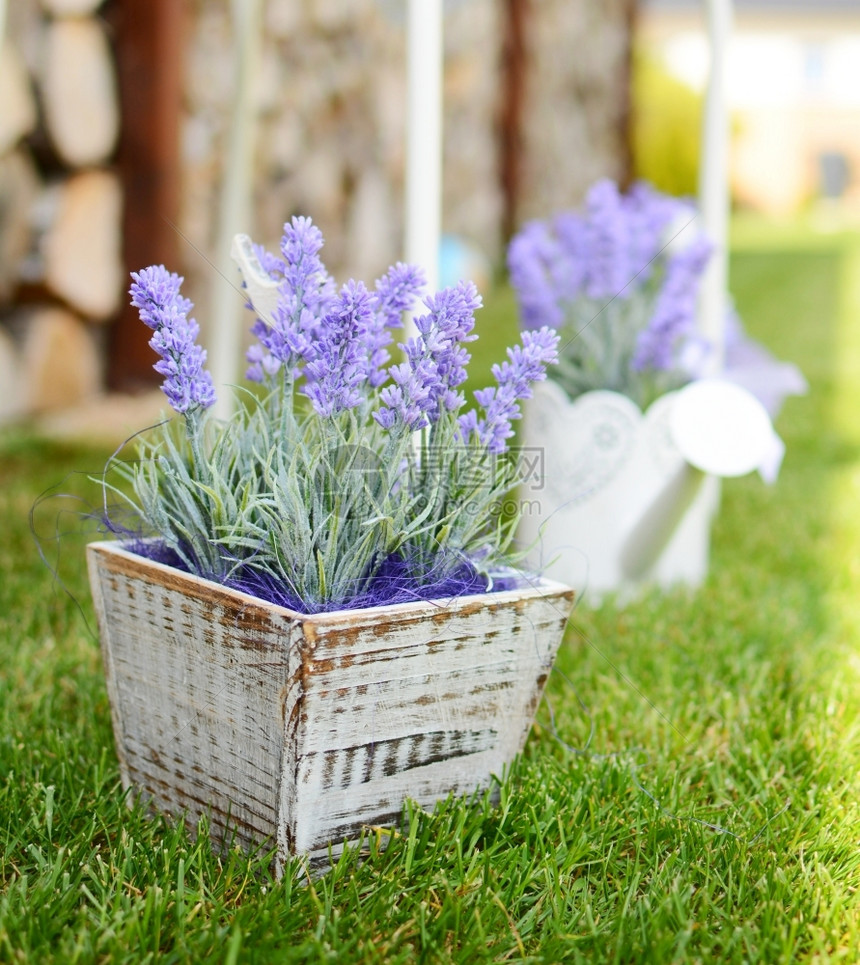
395,582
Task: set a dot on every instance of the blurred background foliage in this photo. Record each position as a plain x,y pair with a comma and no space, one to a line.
666,117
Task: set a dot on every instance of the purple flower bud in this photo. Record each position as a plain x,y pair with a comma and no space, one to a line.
610,269
435,360
658,345
397,291
155,293
385,417
527,363
263,364
534,259
339,364
305,295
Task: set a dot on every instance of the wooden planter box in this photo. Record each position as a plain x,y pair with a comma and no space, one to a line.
301,730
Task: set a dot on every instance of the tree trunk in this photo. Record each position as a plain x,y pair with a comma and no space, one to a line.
574,124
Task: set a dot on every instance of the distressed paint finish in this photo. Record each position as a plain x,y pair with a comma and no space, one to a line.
302,730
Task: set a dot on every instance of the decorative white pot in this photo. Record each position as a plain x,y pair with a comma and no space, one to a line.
611,505
301,730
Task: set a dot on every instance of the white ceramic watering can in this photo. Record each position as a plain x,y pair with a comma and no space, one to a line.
623,499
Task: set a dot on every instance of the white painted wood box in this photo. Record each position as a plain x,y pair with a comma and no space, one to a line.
301,730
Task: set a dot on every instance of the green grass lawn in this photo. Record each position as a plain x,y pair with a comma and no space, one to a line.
733,708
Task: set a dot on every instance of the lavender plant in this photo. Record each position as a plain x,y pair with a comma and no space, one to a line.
348,478
619,280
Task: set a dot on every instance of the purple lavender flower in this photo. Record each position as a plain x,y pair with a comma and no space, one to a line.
650,214
606,252
614,252
155,293
396,292
675,311
448,324
569,269
426,384
404,402
609,267
271,264
338,366
305,295
155,290
531,256
263,364
527,363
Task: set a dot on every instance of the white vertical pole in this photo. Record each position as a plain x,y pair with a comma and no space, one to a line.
424,55
235,207
713,182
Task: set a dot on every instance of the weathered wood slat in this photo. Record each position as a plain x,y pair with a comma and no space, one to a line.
304,729
448,642
384,719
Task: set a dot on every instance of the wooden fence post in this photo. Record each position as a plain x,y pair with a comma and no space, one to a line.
149,37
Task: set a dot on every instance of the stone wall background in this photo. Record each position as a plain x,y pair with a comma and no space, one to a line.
331,109
61,271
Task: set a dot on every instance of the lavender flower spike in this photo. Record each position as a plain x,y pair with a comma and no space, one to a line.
155,293
338,366
305,295
532,257
426,384
443,331
527,363
405,402
609,270
675,312
395,293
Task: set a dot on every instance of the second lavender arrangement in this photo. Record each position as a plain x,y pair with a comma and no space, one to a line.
619,281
